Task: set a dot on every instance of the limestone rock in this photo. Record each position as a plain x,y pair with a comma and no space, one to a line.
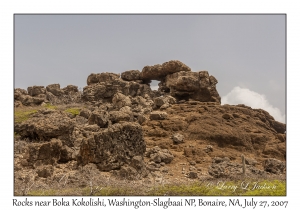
85,113
44,153
158,155
55,89
177,138
99,117
158,72
45,126
36,90
70,89
274,166
112,147
102,77
131,75
119,100
157,115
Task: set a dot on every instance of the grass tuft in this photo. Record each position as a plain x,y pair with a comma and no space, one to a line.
21,115
73,111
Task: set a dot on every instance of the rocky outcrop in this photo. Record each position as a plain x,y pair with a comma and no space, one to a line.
198,86
159,72
188,133
131,75
45,125
36,90
113,147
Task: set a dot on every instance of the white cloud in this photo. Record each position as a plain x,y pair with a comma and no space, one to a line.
255,100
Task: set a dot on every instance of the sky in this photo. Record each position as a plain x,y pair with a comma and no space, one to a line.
246,53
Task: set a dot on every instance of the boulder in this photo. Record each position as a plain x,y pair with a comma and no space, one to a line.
46,153
70,89
102,77
158,155
157,115
159,72
55,89
113,147
36,90
192,85
177,138
131,75
99,117
119,100
45,125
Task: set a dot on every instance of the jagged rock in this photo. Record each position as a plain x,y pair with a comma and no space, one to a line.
85,113
70,89
112,147
223,167
177,138
119,100
208,148
106,90
44,153
36,90
164,101
29,101
158,72
102,77
55,89
274,166
45,125
66,154
118,116
157,115
131,75
99,117
192,85
158,155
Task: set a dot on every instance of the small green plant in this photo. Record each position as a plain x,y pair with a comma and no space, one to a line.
73,111
22,115
49,106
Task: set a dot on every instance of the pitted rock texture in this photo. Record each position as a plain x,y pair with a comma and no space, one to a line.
113,147
158,72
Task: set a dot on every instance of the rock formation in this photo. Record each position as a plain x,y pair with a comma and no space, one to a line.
124,128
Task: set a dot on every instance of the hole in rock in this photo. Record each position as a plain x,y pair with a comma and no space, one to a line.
154,84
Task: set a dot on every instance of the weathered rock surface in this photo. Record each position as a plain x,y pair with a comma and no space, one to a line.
177,138
158,72
157,115
274,166
131,75
192,85
45,125
113,147
158,155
